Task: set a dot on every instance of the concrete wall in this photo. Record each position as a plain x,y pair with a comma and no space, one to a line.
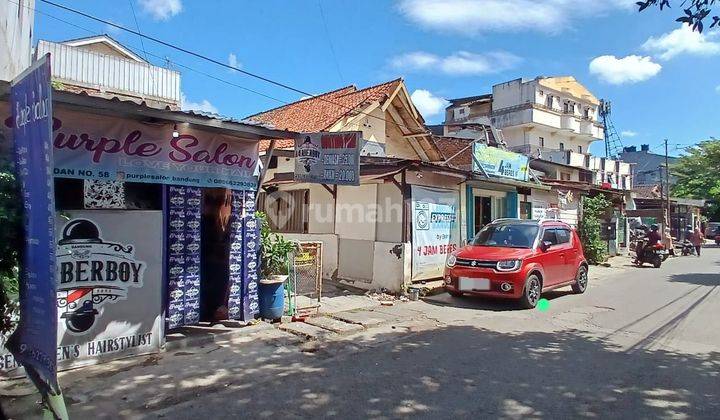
390,206
329,250
352,218
16,29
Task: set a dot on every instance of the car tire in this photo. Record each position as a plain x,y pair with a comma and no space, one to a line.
531,292
581,280
455,294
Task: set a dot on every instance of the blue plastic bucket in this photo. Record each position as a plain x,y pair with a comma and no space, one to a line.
272,299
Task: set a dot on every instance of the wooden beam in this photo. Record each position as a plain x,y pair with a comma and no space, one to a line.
332,191
263,170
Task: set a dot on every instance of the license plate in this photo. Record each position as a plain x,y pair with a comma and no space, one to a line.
472,284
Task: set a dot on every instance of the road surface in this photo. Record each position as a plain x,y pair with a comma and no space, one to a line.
644,344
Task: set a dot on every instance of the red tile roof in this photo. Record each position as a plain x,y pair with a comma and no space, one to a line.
451,146
322,111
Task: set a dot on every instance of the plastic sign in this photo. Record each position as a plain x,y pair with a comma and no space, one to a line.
435,230
328,158
498,162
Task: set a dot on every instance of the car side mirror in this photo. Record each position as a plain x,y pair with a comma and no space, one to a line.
545,245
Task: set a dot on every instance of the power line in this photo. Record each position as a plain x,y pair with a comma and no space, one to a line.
214,61
332,48
137,25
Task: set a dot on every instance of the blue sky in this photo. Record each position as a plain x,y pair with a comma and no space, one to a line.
663,81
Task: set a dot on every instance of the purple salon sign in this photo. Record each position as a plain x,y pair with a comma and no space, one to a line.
34,343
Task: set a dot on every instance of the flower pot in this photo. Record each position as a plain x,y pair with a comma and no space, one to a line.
271,294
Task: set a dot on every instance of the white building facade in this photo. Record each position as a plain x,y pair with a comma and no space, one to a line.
16,29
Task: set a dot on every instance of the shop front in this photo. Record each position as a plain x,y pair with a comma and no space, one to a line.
155,225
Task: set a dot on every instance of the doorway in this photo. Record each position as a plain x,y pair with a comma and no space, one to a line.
215,249
483,212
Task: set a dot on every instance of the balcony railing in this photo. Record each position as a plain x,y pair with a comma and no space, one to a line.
106,73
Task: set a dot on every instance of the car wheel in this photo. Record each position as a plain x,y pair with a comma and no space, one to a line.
581,280
455,294
657,261
531,293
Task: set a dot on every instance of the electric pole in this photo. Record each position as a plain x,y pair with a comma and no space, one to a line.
667,186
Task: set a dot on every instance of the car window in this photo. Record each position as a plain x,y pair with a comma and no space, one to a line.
563,236
506,235
550,236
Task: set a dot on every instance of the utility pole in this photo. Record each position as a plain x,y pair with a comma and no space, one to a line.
667,186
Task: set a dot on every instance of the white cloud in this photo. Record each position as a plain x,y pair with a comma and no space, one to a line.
427,103
474,16
203,106
629,133
233,61
460,63
161,9
717,88
683,40
630,69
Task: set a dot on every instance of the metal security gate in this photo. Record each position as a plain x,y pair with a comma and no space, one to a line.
307,274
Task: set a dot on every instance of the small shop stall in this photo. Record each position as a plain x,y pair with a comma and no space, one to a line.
155,224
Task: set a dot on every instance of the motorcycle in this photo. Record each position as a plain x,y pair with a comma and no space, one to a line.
651,254
687,248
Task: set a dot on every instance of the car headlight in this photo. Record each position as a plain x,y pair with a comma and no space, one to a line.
508,265
452,259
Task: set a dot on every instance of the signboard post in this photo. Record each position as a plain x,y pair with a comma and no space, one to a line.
34,342
497,162
328,158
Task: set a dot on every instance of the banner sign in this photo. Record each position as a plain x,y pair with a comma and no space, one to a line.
435,230
498,162
90,146
328,158
34,342
183,255
108,302
243,300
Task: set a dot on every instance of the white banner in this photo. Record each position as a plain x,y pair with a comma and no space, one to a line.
435,230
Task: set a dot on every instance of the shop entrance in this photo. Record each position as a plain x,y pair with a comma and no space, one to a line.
483,212
215,248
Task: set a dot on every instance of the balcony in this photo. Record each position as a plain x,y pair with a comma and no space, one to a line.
110,75
570,122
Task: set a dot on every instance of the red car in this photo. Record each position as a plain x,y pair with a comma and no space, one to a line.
518,259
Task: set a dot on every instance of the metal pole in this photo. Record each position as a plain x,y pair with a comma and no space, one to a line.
667,186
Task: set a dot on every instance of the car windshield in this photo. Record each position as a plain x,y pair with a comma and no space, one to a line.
506,235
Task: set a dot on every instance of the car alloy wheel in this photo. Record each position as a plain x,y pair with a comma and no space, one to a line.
532,292
581,280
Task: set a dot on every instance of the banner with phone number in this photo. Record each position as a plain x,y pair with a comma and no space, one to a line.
435,230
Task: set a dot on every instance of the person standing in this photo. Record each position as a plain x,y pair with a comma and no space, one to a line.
697,240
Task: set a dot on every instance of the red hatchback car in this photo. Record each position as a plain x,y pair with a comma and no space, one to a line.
518,259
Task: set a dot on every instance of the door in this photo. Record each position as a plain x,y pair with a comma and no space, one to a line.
483,212
569,253
553,261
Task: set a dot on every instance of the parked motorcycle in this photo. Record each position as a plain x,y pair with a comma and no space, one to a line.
653,254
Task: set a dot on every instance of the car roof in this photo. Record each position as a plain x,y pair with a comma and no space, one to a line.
542,222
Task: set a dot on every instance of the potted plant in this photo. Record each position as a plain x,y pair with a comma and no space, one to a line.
274,270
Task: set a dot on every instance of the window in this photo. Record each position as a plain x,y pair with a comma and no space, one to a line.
549,236
525,210
510,235
566,108
549,101
287,211
563,236
562,146
541,140
586,176
564,176
580,149
461,111
587,113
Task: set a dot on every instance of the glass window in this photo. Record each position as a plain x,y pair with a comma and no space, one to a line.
563,236
579,149
541,140
549,236
506,235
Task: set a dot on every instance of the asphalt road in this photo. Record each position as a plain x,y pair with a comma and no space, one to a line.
643,344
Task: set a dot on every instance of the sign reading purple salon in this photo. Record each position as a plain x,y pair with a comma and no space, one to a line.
88,146
34,342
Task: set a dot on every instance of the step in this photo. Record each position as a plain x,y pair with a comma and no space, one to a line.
334,325
366,318
308,331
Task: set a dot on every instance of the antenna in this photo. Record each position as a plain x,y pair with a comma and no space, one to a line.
613,142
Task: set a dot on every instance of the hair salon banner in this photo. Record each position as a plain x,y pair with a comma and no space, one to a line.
34,343
244,244
89,146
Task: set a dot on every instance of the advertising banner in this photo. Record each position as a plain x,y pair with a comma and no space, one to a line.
34,342
498,162
109,294
435,230
101,147
328,158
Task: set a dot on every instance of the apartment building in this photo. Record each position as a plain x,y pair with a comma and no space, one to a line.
648,167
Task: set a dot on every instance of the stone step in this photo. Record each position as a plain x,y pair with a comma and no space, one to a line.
366,318
308,331
335,325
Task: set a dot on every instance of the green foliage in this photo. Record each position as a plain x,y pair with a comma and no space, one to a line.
593,210
698,175
694,11
275,249
10,243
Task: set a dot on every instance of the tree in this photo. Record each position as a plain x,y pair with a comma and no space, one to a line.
10,243
694,15
593,211
698,175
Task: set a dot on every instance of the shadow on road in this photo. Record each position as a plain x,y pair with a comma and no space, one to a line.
702,279
487,303
463,371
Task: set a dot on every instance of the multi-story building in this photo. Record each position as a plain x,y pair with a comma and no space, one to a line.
101,66
16,28
648,168
547,118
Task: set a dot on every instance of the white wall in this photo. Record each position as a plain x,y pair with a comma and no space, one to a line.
329,250
353,213
16,29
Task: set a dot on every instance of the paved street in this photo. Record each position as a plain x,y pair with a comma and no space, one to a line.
645,344
641,343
